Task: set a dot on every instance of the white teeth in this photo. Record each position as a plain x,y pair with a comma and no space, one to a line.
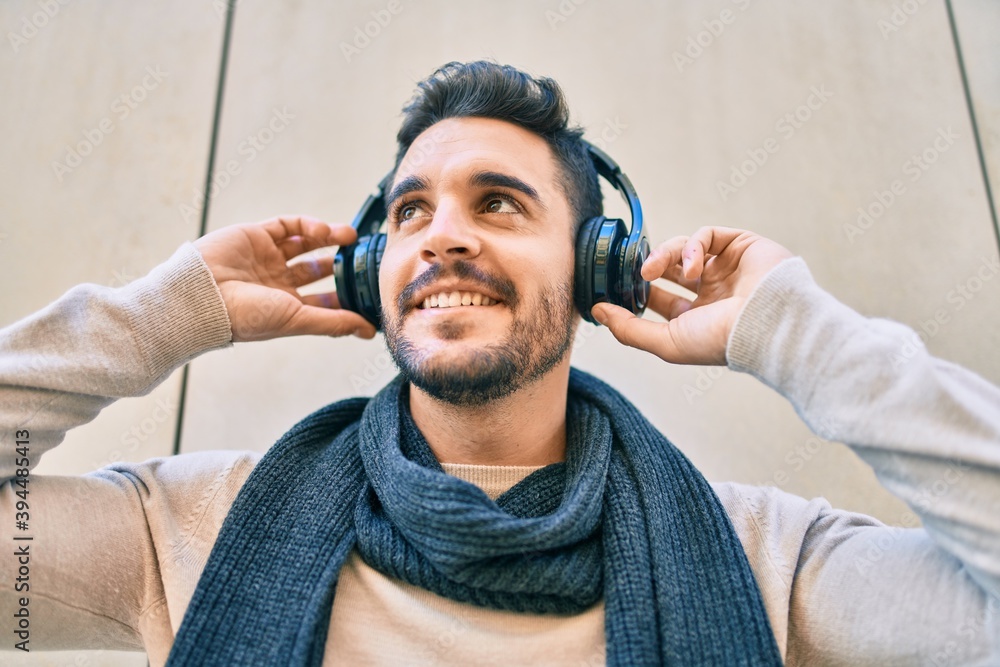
453,299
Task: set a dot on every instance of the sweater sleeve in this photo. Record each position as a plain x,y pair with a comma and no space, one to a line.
83,568
61,366
863,592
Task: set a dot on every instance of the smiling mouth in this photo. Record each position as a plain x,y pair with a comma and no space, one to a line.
457,299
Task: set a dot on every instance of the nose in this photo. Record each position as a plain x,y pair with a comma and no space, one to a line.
451,235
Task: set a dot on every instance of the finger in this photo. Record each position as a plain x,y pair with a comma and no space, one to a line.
293,246
635,332
663,258
324,234
337,235
324,300
704,242
285,226
308,271
666,304
675,275
310,320
341,235
665,262
318,236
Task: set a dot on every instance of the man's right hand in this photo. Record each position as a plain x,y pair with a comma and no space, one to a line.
250,266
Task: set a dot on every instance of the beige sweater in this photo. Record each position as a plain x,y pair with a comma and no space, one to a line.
116,554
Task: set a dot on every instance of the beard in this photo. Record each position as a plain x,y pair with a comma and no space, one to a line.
538,338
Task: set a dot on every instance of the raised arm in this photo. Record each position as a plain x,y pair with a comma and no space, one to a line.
97,551
863,592
61,366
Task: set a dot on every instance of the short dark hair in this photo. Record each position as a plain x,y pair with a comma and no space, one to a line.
484,89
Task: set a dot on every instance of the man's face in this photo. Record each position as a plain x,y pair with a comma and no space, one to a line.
477,217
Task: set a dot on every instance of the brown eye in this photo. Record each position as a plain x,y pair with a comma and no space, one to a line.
407,212
499,205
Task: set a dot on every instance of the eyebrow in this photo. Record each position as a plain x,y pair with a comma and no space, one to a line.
481,179
494,179
405,187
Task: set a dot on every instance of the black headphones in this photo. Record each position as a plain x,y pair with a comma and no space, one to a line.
608,257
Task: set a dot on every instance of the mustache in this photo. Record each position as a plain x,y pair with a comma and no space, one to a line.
465,270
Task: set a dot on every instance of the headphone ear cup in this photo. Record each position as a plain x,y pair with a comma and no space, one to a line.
355,270
633,289
374,261
598,246
583,273
343,274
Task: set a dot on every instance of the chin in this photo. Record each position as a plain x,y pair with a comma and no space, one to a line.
471,361
468,377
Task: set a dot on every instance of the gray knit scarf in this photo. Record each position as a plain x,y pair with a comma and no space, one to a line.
626,518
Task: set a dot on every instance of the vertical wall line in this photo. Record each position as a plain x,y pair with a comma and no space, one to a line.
207,197
972,118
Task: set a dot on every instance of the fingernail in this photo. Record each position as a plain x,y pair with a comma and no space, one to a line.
599,315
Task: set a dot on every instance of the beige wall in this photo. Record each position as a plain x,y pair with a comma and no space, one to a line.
890,83
112,215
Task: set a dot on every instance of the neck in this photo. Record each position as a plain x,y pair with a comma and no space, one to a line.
527,428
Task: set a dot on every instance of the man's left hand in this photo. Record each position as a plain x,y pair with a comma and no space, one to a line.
721,266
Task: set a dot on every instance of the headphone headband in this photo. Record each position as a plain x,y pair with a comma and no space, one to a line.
372,213
614,175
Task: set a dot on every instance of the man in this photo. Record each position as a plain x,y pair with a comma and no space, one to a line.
491,506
